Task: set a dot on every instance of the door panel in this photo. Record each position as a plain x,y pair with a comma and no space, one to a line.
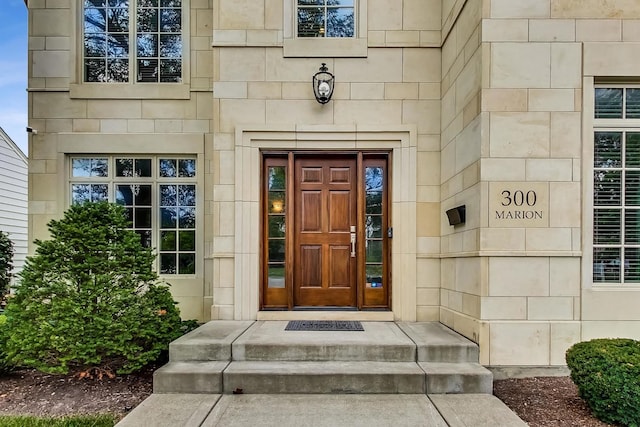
340,211
340,261
310,218
325,210
310,265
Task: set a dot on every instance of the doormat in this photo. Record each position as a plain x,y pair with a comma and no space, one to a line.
323,325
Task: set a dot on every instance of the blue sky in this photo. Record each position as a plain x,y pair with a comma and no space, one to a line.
13,70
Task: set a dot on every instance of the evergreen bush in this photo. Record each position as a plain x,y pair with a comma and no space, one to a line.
89,298
6,258
4,365
607,373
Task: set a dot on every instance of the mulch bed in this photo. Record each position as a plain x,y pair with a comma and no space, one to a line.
29,392
546,401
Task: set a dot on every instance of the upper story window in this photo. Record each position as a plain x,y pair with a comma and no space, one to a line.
132,40
616,186
326,18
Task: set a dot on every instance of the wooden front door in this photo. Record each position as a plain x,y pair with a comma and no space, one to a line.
326,233
325,219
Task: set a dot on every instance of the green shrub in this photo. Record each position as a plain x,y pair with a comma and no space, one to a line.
607,373
4,365
89,298
6,258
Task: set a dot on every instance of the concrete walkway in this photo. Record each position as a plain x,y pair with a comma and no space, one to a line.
320,410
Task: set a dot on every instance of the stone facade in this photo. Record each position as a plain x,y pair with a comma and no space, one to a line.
482,103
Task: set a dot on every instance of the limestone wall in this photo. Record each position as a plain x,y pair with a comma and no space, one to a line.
540,61
461,144
72,117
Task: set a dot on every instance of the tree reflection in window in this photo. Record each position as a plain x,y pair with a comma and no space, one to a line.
326,18
106,40
177,229
110,28
159,41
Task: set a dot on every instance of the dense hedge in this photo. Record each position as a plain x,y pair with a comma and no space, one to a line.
89,298
607,373
4,365
6,258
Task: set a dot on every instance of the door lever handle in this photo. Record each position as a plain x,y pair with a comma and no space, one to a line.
353,241
353,245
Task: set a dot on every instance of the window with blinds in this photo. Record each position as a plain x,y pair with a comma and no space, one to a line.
616,186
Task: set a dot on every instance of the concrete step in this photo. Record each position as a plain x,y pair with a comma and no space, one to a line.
437,343
261,357
259,377
211,341
451,378
268,341
189,377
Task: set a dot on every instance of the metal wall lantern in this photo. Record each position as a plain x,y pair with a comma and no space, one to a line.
323,84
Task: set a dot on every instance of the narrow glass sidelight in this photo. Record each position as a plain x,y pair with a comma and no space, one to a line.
374,185
276,226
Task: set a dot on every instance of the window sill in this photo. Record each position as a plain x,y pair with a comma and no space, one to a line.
130,91
325,48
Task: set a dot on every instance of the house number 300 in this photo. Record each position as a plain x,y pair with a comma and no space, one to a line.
519,198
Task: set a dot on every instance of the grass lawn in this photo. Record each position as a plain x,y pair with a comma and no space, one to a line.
70,421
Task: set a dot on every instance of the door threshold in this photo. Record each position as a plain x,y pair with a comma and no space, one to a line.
363,316
329,308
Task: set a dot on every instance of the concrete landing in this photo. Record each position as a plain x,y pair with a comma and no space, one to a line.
380,341
322,410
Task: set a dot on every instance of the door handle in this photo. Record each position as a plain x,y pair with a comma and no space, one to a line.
353,241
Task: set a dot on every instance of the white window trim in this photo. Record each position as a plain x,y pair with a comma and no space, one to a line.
78,88
590,126
295,47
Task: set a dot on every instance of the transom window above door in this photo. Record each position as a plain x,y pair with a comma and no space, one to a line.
132,41
326,18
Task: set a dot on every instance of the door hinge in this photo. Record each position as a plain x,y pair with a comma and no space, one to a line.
390,232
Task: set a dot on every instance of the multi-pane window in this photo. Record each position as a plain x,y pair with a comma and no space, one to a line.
126,40
616,182
326,18
158,194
